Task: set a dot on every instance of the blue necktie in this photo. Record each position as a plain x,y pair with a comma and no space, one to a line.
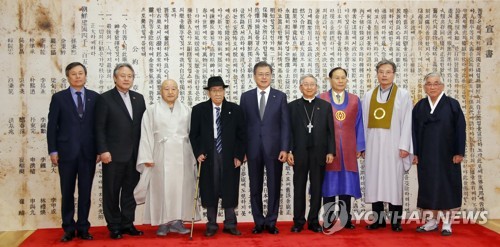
79,105
218,140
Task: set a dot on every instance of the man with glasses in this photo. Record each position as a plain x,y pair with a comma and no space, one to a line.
312,145
388,136
218,139
439,142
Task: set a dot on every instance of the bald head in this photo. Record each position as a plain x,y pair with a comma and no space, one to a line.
169,91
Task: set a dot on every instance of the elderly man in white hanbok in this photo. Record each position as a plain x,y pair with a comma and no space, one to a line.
387,117
166,163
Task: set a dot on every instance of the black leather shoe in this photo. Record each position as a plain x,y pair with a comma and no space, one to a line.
68,236
397,228
85,235
210,232
375,226
115,234
232,231
349,225
258,229
132,231
273,230
296,228
314,227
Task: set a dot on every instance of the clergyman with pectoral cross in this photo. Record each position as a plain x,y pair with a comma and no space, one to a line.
312,146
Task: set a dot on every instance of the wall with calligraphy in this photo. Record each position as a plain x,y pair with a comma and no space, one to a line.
190,41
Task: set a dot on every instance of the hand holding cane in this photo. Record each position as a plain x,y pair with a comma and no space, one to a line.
195,199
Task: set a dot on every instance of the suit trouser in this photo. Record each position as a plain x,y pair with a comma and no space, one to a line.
274,169
396,212
84,169
118,183
316,173
229,214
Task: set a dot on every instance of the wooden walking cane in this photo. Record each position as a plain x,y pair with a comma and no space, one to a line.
195,200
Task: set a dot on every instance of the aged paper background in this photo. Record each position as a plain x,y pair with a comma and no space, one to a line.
192,40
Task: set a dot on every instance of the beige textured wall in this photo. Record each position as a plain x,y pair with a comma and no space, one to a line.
39,38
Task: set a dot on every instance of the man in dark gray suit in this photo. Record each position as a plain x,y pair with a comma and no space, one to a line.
118,129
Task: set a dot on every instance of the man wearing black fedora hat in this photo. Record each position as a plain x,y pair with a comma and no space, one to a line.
220,146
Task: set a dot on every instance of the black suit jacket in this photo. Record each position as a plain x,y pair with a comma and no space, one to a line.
323,130
116,132
233,146
67,133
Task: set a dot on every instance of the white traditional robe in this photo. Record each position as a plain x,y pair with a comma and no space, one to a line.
169,185
384,169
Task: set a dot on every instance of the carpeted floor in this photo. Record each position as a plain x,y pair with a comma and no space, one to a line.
463,235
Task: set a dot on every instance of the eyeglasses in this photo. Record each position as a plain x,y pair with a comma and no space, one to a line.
308,84
264,75
217,91
385,72
124,76
433,84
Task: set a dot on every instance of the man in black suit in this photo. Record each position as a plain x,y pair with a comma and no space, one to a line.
71,144
218,137
312,145
118,129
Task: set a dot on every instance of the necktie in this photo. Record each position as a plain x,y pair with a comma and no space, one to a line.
218,140
79,105
262,105
338,98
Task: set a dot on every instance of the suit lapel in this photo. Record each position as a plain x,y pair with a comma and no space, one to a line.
254,103
89,101
134,102
225,113
118,98
271,101
69,100
208,116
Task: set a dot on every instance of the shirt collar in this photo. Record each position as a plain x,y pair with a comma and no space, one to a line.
73,90
308,100
123,93
340,94
267,90
220,106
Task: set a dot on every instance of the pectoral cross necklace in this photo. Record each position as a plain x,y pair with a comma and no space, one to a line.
310,126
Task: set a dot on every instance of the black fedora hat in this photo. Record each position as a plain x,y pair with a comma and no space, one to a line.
215,81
